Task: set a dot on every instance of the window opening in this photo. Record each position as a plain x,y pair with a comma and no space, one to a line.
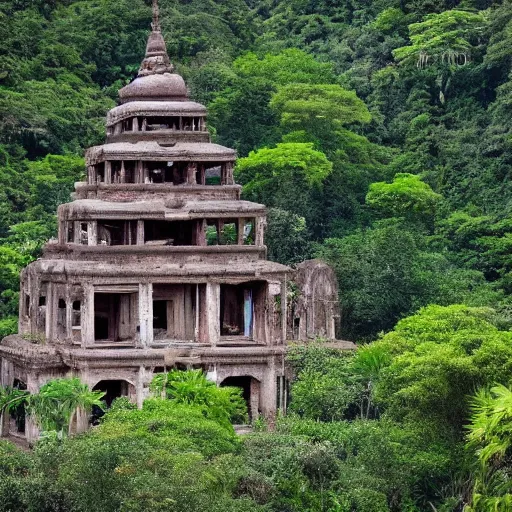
70,231
212,175
84,237
114,318
117,232
236,310
158,232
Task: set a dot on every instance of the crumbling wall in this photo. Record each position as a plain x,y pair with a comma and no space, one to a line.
314,305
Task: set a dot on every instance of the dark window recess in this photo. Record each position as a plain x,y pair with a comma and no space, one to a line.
160,314
62,304
169,233
42,300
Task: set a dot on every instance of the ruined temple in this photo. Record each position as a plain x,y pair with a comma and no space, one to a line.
160,264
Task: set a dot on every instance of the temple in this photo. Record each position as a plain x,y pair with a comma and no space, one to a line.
160,264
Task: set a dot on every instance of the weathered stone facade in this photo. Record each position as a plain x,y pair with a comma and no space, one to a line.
159,263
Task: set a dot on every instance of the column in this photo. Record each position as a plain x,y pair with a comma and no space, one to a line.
91,175
146,313
269,393
191,174
260,231
31,428
213,312
69,315
62,232
201,233
87,316
140,172
240,231
284,311
140,232
135,124
51,304
254,399
92,232
108,172
123,172
76,231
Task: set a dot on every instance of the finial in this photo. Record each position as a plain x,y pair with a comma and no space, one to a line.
156,60
155,25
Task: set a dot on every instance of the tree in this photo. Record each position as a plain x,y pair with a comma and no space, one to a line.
318,110
287,237
490,441
56,404
407,196
284,177
437,357
11,398
444,40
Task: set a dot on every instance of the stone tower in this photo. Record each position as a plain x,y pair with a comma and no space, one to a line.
158,262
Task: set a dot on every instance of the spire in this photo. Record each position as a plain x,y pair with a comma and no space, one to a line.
156,20
156,61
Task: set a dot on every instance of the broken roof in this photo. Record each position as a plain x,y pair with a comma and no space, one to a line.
155,151
176,209
154,108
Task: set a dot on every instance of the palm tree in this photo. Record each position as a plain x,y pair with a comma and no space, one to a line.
490,437
11,399
56,405
191,387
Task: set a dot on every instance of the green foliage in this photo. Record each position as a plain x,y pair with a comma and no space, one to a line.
438,357
326,387
285,176
446,38
191,387
386,272
56,403
287,237
490,441
167,456
318,109
407,196
312,92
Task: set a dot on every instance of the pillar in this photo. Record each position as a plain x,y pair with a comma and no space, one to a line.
201,233
269,393
140,172
87,316
63,235
240,231
31,428
146,313
254,399
108,172
140,232
284,311
135,124
213,312
139,388
51,306
69,315
260,231
123,172
92,232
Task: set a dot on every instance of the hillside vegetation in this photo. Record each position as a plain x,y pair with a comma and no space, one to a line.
379,134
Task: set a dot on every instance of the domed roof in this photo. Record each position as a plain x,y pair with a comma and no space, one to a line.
156,79
155,87
155,45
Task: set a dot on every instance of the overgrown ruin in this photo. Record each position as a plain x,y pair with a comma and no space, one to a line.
160,264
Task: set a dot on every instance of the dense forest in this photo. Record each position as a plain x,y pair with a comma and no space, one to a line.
379,134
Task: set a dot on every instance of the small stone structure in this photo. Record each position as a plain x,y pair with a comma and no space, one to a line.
159,264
